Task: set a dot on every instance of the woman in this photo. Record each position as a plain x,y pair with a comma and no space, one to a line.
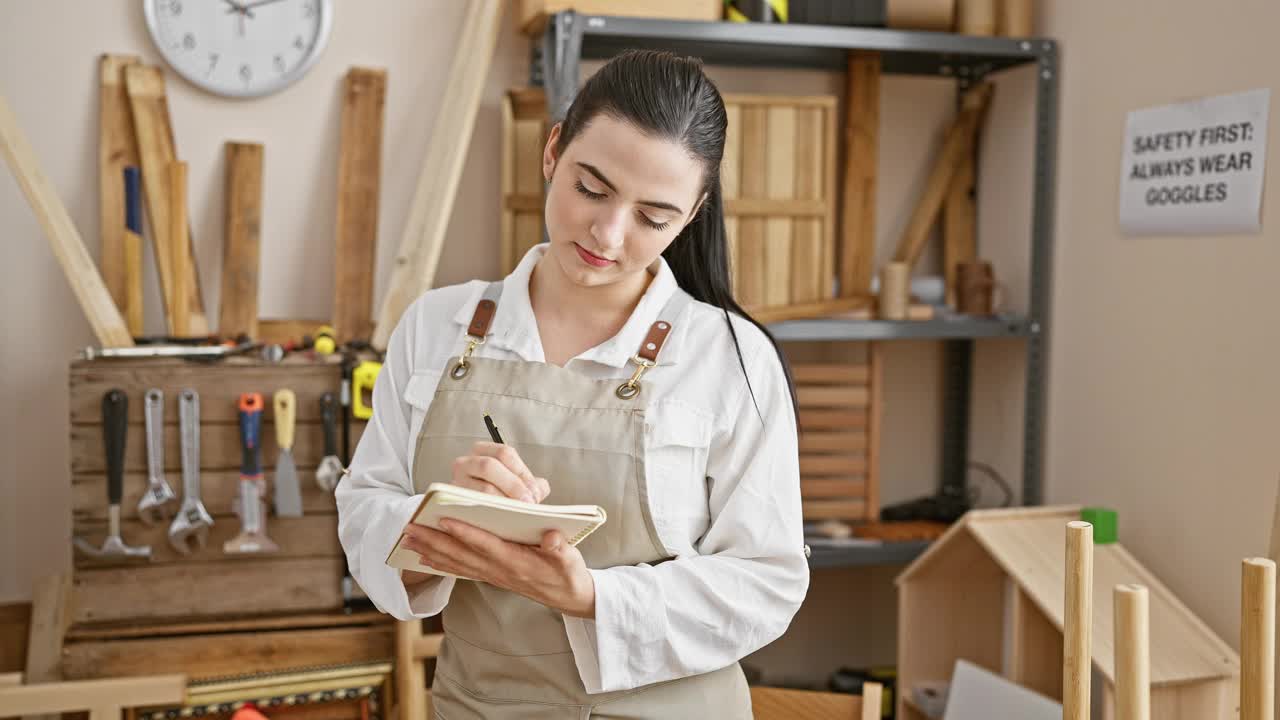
621,373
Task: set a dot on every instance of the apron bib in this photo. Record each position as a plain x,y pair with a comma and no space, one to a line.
505,657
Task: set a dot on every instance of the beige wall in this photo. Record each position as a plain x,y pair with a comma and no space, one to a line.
1160,387
1164,395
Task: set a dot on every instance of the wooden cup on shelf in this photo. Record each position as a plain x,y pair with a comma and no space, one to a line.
895,291
977,292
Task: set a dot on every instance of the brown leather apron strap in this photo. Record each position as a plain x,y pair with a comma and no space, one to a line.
647,356
481,318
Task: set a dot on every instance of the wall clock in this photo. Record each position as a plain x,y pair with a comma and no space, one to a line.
240,48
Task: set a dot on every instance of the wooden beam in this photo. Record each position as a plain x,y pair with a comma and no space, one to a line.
50,617
154,132
241,250
117,150
415,264
103,315
179,263
359,178
862,138
104,698
948,160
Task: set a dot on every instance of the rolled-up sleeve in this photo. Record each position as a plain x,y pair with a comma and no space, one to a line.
375,498
695,614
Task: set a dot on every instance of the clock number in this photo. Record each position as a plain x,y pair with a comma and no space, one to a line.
298,43
246,73
175,7
213,62
189,41
279,62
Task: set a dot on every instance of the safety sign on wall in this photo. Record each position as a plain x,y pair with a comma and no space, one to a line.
1195,168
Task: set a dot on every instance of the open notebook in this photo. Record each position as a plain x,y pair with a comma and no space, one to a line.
509,519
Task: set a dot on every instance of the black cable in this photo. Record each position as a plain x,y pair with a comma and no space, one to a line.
990,472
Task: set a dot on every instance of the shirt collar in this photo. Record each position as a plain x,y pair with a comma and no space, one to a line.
514,327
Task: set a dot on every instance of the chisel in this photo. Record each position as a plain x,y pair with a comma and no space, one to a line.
288,497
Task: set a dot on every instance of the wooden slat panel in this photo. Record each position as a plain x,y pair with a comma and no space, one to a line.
751,231
217,490
188,591
219,447
219,388
842,442
780,184
813,419
528,232
769,100
874,429
259,623
807,271
529,147
790,207
507,183
214,655
359,183
826,465
833,509
310,536
832,396
731,163
812,373
832,488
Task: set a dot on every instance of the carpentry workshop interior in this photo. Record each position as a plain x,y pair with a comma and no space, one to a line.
1016,463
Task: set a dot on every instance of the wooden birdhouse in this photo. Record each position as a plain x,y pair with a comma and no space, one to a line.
991,589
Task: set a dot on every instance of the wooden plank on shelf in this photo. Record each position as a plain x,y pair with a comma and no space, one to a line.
833,441
822,418
242,239
154,132
803,311
179,262
825,465
798,208
507,183
260,623
959,224
862,142
219,655
807,271
219,387
65,241
833,396
820,488
874,428
833,509
205,590
780,184
117,150
832,373
219,446
309,536
949,157
51,612
359,183
419,252
751,230
218,489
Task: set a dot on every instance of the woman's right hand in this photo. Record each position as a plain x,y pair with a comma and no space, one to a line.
497,469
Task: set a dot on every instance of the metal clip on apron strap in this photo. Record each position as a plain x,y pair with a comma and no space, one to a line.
647,356
478,328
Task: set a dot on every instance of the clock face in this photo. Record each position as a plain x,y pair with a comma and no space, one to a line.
240,48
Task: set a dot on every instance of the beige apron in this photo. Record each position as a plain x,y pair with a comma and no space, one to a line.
505,656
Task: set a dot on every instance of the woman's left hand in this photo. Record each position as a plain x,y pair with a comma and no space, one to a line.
553,573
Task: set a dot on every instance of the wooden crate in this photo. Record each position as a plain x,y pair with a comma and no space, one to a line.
840,407
779,185
533,13
778,179
525,126
304,576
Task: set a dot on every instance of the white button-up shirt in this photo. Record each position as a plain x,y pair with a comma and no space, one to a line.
724,482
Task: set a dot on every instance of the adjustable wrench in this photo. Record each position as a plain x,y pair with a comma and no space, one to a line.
192,521
154,507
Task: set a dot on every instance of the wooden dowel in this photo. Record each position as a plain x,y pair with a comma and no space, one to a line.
1133,653
178,262
1258,639
1077,621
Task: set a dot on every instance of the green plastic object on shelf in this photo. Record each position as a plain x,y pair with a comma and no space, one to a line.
1105,523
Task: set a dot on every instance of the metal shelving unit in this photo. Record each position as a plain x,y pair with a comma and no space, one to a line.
570,37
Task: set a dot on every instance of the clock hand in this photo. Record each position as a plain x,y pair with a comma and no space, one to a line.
250,6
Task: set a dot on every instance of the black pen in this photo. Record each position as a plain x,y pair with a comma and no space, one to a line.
493,429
